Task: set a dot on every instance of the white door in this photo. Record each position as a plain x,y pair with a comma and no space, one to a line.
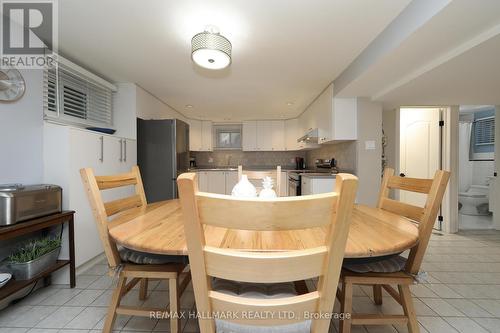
420,147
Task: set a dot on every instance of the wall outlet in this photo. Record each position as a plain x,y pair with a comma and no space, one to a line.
370,145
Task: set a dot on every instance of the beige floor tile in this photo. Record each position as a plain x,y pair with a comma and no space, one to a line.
62,296
61,317
103,282
140,324
28,316
120,322
443,291
13,330
436,325
465,325
492,306
491,324
469,308
85,298
87,319
84,281
442,308
421,290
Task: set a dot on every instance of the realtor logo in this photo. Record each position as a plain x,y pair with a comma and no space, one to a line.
28,32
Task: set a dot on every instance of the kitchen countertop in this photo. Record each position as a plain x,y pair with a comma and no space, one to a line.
318,175
235,168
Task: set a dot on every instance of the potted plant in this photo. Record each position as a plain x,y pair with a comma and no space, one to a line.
34,257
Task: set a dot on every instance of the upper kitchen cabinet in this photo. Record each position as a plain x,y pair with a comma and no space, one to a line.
292,134
200,135
334,118
249,136
263,135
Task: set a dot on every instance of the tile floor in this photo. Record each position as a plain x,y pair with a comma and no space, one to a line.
462,294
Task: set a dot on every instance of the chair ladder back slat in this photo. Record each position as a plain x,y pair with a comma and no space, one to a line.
258,175
224,303
266,267
100,216
195,238
113,181
401,208
120,205
346,185
410,184
285,213
425,227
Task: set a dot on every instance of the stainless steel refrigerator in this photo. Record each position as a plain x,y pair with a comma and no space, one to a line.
162,155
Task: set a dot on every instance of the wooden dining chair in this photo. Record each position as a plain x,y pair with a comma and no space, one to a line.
214,266
260,175
132,265
396,270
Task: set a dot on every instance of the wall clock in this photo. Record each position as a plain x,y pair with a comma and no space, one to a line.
12,85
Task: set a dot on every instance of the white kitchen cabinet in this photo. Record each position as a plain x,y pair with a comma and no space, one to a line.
344,119
249,136
195,135
66,151
316,185
202,181
231,180
206,136
292,134
217,182
264,135
200,135
278,135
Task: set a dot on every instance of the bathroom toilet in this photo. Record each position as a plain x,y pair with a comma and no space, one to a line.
475,201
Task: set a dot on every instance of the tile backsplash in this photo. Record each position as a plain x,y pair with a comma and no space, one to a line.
344,153
246,158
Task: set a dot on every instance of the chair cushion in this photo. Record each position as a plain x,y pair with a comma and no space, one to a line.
259,291
143,258
389,265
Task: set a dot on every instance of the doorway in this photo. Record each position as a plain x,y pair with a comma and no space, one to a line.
420,149
476,148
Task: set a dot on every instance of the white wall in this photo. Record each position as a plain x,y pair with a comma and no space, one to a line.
150,107
21,127
368,162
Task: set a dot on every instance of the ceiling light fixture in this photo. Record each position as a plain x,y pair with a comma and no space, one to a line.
189,106
289,103
211,50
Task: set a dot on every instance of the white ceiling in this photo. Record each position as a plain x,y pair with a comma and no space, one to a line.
453,59
283,50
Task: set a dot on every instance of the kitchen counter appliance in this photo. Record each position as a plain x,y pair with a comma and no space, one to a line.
23,202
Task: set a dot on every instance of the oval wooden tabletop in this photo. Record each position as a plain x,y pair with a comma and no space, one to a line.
158,228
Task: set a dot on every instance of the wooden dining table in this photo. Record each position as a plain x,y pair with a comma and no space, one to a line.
159,228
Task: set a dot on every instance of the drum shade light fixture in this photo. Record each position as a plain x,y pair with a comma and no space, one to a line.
211,50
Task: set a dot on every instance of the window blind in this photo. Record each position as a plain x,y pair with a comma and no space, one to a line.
484,131
71,97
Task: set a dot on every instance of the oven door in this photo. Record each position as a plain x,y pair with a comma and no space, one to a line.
293,187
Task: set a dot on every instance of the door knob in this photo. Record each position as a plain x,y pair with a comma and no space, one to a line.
402,175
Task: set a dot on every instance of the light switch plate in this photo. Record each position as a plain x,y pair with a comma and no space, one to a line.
370,145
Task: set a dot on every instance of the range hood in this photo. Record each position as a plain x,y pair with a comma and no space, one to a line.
311,137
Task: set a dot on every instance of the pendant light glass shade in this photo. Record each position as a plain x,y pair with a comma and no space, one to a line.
211,50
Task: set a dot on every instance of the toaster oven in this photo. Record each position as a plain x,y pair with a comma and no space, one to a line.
23,202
